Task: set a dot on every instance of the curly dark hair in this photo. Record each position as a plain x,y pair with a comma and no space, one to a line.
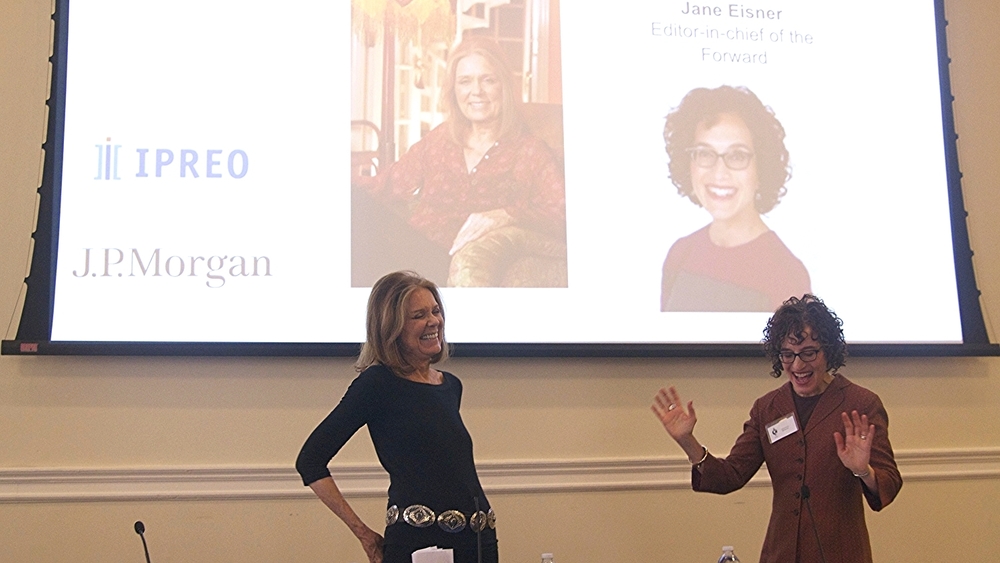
792,318
704,105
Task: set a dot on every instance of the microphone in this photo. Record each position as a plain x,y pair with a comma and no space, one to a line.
805,497
140,528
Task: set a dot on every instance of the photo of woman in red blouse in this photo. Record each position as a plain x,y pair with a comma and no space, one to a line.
486,193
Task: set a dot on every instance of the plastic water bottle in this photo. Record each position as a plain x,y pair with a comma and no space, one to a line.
728,555
547,558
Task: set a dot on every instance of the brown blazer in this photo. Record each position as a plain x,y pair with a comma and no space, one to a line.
809,458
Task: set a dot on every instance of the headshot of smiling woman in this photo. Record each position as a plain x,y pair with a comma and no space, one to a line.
727,155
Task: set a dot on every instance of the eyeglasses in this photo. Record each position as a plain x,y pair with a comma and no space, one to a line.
787,356
736,159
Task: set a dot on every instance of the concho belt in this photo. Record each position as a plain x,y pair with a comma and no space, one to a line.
452,521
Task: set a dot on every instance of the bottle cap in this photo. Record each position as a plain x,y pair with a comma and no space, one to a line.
546,556
727,548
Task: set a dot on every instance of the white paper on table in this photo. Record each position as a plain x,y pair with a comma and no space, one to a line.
433,555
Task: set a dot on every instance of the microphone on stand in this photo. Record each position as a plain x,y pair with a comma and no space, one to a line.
140,528
805,497
479,534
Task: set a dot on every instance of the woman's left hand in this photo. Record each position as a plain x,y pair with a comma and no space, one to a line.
477,225
854,447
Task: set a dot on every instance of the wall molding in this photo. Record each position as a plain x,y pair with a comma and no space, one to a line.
171,483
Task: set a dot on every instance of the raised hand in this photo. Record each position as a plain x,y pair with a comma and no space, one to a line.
678,421
854,447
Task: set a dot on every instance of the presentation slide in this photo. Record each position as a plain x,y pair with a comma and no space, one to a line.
700,163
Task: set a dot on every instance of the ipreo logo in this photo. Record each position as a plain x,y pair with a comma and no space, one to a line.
115,162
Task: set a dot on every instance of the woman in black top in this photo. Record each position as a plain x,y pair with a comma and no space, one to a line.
412,413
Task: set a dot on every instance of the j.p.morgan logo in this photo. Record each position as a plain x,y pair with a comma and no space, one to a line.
135,262
116,161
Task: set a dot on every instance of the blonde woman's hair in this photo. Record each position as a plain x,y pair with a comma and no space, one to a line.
386,318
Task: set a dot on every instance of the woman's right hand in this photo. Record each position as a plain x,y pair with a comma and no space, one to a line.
678,422
371,541
331,496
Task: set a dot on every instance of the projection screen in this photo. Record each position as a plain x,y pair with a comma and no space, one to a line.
233,176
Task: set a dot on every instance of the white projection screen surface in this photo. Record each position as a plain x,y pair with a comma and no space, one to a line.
225,173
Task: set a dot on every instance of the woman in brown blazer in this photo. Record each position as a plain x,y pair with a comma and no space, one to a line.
825,441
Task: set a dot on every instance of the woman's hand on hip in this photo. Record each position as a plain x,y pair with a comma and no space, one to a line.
371,541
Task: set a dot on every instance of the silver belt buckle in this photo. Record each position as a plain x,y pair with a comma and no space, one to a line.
451,521
491,519
477,522
392,515
418,516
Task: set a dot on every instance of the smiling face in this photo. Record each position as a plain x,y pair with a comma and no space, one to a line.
478,90
423,331
727,194
808,378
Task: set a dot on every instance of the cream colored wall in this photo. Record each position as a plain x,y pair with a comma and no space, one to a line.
66,414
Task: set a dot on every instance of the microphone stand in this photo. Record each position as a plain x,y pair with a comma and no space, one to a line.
805,497
479,534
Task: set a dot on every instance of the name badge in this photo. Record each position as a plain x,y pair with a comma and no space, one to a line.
781,428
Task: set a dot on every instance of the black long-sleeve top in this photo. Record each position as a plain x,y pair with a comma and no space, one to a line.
419,438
